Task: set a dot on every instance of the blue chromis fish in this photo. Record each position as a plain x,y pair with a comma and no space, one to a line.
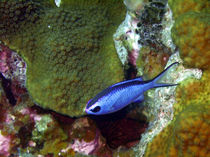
121,94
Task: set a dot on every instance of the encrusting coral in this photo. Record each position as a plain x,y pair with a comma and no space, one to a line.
152,62
69,50
186,136
70,56
192,91
180,7
191,31
191,34
191,118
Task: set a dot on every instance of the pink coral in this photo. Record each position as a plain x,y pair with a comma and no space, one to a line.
87,147
3,62
87,138
133,55
32,114
4,145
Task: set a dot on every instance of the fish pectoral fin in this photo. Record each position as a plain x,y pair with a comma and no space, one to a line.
139,99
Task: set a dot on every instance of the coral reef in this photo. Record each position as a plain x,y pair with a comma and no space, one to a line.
29,130
191,34
180,7
63,48
12,67
70,55
87,139
191,31
192,91
150,25
124,153
144,31
187,135
5,142
151,62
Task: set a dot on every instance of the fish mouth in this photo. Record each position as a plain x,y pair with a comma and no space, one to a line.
86,111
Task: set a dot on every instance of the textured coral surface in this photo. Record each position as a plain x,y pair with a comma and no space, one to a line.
69,51
191,34
152,62
182,6
186,136
191,31
29,130
193,91
70,57
188,133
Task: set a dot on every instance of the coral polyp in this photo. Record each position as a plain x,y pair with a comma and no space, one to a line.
191,34
63,48
191,31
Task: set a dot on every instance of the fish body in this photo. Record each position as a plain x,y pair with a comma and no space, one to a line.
122,94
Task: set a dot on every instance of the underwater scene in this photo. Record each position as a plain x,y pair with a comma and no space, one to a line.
104,78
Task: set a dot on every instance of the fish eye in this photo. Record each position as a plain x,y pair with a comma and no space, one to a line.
96,109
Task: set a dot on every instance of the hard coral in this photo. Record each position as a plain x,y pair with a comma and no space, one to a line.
69,50
180,7
87,139
191,34
52,137
152,62
191,132
150,26
192,91
13,70
191,31
185,136
4,145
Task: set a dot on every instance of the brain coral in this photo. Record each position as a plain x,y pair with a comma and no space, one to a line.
191,31
69,50
186,136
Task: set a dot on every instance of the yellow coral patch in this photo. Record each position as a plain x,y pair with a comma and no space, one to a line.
186,136
180,7
191,34
192,91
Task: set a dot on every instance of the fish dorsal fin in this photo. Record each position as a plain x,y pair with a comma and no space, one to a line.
140,78
126,81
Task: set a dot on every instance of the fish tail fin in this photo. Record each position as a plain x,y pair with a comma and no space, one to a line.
157,78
